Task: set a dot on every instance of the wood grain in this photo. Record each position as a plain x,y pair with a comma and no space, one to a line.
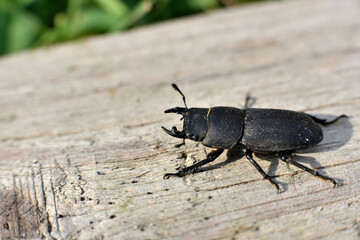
82,154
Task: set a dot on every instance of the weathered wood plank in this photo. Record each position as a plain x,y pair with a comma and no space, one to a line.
82,154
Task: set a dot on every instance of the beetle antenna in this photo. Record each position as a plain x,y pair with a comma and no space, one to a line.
175,87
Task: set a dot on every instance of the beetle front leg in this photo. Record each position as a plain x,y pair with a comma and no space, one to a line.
286,159
210,157
256,165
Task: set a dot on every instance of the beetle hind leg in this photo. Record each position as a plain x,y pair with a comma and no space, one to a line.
256,165
284,157
210,157
325,122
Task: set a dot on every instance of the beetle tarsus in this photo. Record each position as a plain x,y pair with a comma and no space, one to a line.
168,175
256,165
180,144
315,173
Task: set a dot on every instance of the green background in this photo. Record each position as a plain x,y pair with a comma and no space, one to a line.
33,23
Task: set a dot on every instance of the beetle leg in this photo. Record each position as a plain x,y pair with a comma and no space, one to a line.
256,165
180,144
286,159
324,122
247,101
210,157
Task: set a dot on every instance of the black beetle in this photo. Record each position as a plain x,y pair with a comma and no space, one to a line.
258,130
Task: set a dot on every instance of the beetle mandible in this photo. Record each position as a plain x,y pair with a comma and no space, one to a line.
259,130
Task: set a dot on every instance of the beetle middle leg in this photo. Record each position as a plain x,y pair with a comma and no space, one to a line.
256,165
286,159
210,157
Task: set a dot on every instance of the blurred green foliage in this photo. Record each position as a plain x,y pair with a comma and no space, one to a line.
32,23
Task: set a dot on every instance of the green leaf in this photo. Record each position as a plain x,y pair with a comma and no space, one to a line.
94,20
23,3
114,7
138,12
22,30
202,4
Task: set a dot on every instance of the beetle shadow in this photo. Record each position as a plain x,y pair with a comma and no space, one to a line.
235,153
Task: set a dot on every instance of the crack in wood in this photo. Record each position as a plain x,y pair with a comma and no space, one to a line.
16,205
38,211
12,204
55,204
47,217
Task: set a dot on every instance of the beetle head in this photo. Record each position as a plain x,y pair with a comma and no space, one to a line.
195,121
194,126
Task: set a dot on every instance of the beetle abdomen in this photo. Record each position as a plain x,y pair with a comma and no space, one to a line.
275,130
225,127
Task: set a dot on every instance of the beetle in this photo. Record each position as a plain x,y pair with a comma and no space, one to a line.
258,130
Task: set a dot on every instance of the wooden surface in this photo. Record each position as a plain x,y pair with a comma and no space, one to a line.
82,154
